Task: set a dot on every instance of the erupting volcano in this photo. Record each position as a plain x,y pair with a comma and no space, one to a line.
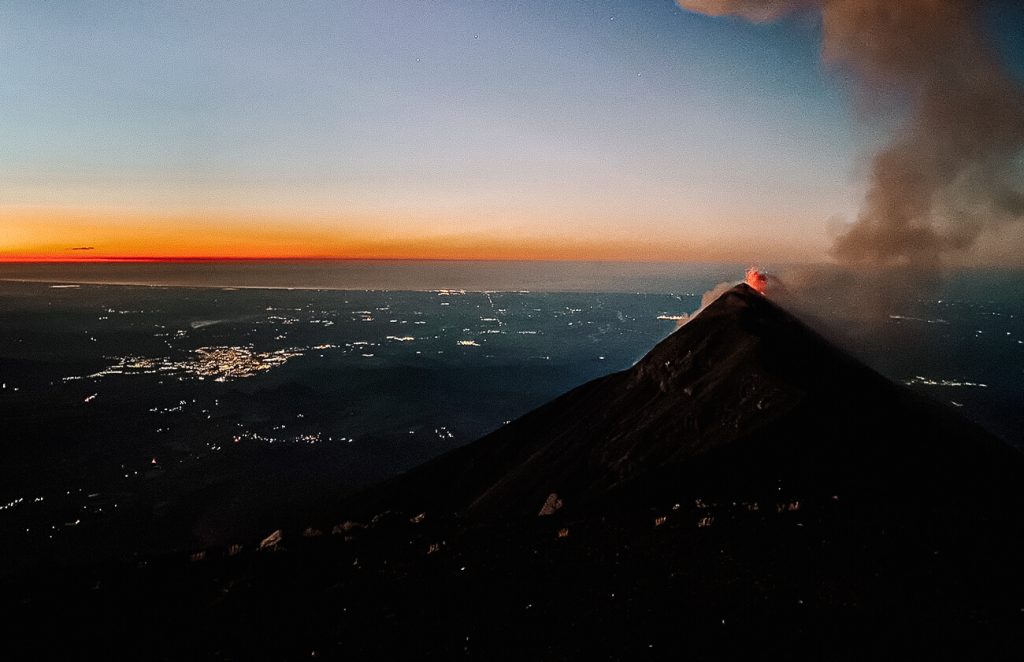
746,486
756,279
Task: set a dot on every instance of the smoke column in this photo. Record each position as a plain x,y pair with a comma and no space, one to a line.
950,171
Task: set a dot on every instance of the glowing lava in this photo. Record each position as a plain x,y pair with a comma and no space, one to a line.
756,279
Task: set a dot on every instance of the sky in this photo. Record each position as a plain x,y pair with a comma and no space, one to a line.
619,130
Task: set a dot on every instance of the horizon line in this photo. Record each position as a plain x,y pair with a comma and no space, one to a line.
304,258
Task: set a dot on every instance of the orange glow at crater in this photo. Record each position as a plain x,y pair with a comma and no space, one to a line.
757,279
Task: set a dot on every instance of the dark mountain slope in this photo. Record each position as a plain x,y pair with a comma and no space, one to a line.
746,490
742,400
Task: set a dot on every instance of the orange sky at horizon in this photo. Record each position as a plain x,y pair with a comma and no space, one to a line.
488,131
60,235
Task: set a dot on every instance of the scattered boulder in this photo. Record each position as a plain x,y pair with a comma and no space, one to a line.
345,527
551,505
271,542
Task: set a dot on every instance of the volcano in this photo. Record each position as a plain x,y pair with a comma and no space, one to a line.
745,488
744,401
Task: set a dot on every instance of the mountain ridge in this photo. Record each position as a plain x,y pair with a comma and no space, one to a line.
742,374
745,487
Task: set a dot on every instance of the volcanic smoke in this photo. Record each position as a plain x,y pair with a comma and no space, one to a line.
754,277
953,169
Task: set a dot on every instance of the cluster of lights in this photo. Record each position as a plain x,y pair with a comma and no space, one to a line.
17,502
310,439
12,504
221,363
924,381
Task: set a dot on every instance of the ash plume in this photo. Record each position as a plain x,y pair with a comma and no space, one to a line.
953,168
754,277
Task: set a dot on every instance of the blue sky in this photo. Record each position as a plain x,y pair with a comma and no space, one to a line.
488,122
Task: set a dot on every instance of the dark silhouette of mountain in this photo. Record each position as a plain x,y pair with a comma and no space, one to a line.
743,400
746,488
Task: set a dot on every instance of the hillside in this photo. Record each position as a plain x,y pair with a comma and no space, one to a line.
746,488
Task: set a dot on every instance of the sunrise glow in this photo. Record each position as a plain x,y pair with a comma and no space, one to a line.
614,131
61,235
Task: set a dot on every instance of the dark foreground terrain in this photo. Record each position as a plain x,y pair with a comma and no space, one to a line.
744,490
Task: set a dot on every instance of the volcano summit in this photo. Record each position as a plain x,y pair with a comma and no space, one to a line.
742,402
745,488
